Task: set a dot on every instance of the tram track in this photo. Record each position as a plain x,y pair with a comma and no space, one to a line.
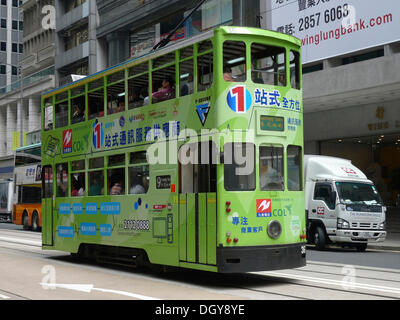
306,283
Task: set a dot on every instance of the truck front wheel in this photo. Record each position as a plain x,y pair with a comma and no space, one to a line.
361,247
319,238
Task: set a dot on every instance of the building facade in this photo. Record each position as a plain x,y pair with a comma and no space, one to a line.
76,43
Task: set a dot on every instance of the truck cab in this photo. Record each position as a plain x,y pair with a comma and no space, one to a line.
342,206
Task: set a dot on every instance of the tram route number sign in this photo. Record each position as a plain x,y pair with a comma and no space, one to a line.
163,182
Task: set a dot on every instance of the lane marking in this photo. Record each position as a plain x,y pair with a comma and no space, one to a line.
88,288
342,284
21,241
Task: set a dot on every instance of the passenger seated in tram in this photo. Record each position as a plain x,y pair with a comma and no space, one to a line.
137,185
166,92
78,114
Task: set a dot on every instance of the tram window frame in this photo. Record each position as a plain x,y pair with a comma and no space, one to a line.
205,71
95,99
116,94
114,176
233,62
78,182
116,173
96,168
274,160
158,76
47,182
62,184
297,157
295,69
204,46
61,116
138,95
139,167
278,76
76,104
48,114
186,53
96,163
186,77
116,160
231,183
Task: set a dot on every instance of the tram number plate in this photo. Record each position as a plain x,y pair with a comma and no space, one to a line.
163,182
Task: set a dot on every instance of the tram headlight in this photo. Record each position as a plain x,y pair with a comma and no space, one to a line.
274,229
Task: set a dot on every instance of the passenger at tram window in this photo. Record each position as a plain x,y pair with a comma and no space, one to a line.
96,187
78,114
166,92
187,87
117,187
77,188
120,105
228,74
145,95
137,184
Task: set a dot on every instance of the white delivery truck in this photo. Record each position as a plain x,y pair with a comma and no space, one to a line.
342,205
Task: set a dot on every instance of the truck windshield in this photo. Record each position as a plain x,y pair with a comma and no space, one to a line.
358,193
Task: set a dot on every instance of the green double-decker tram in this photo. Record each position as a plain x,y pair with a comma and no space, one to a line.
190,156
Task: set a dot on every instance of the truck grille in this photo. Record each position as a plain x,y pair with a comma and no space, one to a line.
363,225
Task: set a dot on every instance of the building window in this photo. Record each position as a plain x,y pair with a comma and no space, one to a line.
3,46
3,2
15,3
2,69
15,25
15,47
14,70
4,23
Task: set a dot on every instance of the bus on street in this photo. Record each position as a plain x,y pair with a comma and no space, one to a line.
27,210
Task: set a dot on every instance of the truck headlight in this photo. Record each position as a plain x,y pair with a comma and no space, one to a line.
342,224
382,225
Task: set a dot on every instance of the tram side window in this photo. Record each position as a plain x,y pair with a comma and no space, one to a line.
116,97
78,178
271,168
116,174
47,182
234,61
239,166
186,77
96,103
61,110
138,88
295,70
48,114
62,179
294,173
268,65
96,177
204,71
198,167
78,109
139,177
163,84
